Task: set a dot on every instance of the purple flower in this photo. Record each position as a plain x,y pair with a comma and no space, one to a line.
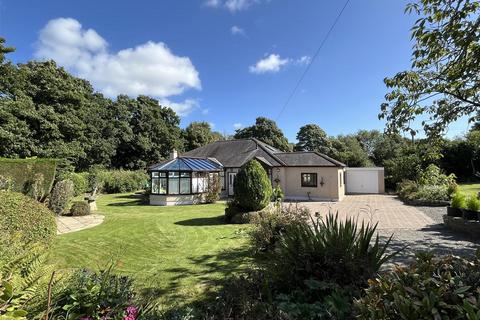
132,312
128,318
86,318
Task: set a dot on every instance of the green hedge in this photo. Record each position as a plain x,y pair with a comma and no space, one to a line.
121,181
22,172
253,189
23,222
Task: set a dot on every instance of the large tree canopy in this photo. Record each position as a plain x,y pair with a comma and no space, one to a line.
46,112
265,130
312,138
444,81
198,134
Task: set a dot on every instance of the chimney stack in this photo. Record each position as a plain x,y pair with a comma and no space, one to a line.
173,154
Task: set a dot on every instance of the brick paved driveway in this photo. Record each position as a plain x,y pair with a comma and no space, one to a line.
411,227
388,211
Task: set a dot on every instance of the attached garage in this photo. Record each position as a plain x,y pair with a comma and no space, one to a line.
364,180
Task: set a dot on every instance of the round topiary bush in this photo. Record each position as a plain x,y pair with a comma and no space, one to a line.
253,189
23,222
80,208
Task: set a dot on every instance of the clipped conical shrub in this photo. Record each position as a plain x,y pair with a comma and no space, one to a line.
253,189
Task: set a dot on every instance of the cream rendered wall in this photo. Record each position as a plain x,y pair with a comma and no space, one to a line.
290,181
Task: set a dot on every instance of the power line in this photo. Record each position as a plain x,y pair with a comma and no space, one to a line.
313,59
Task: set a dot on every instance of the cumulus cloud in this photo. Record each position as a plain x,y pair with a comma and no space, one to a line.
273,63
236,30
150,68
181,108
231,5
237,126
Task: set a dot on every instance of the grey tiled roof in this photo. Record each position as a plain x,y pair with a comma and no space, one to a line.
235,153
308,158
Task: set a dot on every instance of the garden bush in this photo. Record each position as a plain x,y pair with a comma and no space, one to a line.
214,189
430,288
473,203
431,186
25,173
23,222
458,201
253,189
98,295
277,194
80,208
121,181
271,224
60,197
80,181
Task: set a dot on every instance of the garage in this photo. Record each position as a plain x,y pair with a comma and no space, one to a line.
365,180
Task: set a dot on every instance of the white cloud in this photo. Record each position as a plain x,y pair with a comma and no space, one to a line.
150,68
237,126
303,60
213,3
205,111
181,108
236,30
231,5
212,125
272,63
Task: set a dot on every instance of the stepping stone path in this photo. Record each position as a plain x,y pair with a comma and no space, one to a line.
72,224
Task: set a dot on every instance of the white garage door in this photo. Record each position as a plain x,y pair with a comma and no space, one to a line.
361,180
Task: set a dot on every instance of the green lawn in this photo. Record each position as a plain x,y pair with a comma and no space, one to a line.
470,188
176,252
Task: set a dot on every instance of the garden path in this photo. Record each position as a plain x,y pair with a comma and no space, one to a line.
72,224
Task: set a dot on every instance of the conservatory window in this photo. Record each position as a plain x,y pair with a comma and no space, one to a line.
173,182
159,183
185,183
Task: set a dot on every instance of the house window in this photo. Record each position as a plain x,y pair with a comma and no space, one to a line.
222,179
159,183
173,182
185,183
309,180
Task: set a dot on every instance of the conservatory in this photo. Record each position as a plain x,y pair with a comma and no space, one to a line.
183,180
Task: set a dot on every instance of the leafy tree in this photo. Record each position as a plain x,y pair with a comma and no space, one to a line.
150,132
198,134
348,150
312,138
253,189
444,81
265,130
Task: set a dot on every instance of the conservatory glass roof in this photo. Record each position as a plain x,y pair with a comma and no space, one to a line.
188,164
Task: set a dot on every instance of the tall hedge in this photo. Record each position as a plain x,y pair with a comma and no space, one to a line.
25,172
253,189
23,221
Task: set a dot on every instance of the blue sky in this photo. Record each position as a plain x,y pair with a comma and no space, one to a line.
204,57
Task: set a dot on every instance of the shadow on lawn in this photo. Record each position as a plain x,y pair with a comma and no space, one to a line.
136,200
211,221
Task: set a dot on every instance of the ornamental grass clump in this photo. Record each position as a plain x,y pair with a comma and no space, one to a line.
458,201
328,250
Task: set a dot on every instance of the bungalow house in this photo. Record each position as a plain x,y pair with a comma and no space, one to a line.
301,175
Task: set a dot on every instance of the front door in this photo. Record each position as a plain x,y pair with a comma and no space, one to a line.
231,180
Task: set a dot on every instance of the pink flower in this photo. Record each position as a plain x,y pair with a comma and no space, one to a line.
128,318
86,318
132,311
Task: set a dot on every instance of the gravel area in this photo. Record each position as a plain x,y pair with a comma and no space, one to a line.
435,238
435,213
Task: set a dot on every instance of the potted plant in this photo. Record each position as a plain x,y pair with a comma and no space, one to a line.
456,205
473,206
